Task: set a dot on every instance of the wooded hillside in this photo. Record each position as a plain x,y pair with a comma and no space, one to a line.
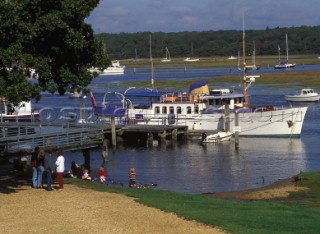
301,40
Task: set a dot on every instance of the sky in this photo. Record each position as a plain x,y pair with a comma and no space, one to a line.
115,16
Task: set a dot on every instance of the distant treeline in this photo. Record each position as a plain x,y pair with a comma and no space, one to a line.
301,40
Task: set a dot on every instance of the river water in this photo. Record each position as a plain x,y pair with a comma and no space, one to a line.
193,168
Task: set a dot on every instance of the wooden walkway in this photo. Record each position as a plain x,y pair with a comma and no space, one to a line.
17,137
25,137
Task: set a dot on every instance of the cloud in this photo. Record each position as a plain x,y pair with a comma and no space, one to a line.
114,16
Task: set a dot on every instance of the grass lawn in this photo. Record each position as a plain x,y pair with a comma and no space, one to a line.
299,213
286,79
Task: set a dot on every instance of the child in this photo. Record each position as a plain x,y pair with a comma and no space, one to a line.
102,175
132,178
86,175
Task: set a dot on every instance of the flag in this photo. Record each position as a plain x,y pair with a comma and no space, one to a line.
93,101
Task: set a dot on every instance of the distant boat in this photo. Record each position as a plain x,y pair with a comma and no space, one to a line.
75,94
167,58
114,69
232,58
192,59
253,67
305,95
20,113
284,64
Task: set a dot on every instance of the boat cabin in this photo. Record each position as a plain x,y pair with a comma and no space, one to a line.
218,98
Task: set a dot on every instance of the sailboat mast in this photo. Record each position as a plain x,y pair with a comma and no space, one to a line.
244,67
152,70
287,47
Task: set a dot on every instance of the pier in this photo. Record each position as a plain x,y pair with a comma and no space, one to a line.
24,137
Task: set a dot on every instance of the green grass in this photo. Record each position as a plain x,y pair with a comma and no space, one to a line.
286,79
298,214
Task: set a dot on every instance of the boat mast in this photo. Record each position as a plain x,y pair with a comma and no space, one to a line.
152,71
246,104
287,47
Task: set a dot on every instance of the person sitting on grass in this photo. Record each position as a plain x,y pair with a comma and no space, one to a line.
86,175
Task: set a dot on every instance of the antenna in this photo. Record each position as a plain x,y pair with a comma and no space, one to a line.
152,71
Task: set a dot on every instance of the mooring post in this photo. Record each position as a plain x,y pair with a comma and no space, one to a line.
86,155
104,153
150,139
174,134
113,132
227,118
236,130
162,137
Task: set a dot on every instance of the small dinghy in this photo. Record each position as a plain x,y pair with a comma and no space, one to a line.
217,137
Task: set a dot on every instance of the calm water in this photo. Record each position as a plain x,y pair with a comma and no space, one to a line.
190,167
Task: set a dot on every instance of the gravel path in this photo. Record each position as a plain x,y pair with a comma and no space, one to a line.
78,210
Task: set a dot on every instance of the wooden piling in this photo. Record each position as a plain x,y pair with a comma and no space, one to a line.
227,118
237,129
150,139
113,132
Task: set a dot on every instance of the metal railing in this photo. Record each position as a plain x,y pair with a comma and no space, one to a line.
17,137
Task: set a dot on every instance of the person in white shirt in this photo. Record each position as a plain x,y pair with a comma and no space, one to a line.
60,169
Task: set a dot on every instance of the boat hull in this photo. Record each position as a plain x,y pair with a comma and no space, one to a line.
217,137
286,122
299,98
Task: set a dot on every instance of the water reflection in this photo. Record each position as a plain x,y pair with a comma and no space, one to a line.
190,167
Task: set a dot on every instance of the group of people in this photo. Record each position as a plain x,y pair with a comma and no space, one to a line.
45,162
81,172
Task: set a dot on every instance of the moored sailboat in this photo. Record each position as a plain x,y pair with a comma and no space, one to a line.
284,64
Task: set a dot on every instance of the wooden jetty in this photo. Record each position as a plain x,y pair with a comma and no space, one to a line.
17,137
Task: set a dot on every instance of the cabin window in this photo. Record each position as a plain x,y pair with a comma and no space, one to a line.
164,110
196,109
188,109
179,111
171,110
157,110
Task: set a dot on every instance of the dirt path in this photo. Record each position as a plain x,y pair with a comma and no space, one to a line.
77,210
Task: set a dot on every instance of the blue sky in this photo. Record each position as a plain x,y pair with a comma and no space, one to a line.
115,16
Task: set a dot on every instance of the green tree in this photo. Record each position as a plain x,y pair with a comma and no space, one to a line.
50,38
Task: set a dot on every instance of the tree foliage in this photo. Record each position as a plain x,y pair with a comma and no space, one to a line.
50,38
302,40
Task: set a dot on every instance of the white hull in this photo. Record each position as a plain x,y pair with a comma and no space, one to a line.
114,69
277,123
191,60
297,98
217,137
285,66
306,95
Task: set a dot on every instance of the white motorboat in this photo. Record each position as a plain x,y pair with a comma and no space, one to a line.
20,113
75,94
305,95
114,69
217,137
191,60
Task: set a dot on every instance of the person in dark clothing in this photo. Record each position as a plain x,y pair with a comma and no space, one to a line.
40,167
34,159
75,169
49,165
